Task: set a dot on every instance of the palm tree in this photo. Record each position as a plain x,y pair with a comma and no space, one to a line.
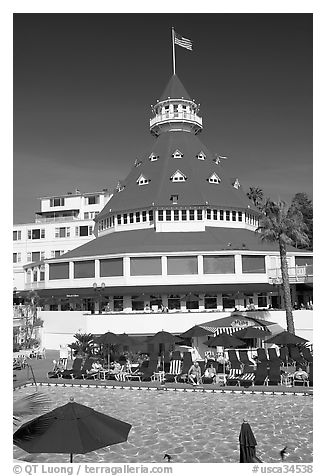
284,225
256,195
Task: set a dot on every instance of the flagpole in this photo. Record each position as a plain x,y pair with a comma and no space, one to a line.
173,50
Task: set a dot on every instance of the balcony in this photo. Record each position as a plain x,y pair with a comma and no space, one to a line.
297,274
176,117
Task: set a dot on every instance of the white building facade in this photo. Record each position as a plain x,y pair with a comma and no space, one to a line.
63,223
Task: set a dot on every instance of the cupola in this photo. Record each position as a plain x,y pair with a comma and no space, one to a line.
175,111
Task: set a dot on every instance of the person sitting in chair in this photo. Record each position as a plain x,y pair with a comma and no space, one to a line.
300,374
194,374
210,374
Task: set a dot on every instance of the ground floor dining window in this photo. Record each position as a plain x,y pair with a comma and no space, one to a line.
210,301
228,301
174,302
117,303
137,303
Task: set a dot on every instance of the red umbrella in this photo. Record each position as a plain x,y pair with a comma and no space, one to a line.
71,428
285,338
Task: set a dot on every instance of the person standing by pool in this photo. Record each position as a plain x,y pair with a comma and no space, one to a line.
194,374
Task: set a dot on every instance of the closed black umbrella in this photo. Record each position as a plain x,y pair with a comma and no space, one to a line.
248,444
71,429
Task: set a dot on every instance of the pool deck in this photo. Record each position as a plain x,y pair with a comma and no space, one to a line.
42,366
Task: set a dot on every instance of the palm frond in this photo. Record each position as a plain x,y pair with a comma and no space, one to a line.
34,403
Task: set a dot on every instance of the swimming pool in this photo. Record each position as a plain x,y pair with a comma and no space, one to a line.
192,427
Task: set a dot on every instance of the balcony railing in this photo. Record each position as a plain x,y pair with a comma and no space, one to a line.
176,116
297,274
56,219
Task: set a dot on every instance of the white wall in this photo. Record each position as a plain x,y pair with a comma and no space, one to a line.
60,326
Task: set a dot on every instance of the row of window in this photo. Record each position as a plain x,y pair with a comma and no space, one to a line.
59,232
179,176
32,256
60,201
152,266
178,215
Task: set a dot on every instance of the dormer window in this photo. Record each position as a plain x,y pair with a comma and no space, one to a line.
236,184
217,160
142,180
174,199
153,157
138,163
214,178
201,155
178,177
177,154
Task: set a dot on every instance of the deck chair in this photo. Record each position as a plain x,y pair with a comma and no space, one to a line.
295,355
174,371
233,358
76,366
148,372
186,364
306,354
273,355
284,356
167,361
84,371
261,373
261,354
233,377
274,373
138,373
247,363
247,379
311,379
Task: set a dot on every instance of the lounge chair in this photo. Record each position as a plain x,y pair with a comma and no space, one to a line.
306,354
167,361
233,377
261,374
273,355
295,355
76,366
311,379
174,371
233,358
86,370
274,373
284,356
261,355
186,364
149,371
248,364
247,379
138,373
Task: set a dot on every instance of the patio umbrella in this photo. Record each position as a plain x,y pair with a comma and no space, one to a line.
196,331
285,338
248,444
224,340
163,337
252,333
71,428
109,338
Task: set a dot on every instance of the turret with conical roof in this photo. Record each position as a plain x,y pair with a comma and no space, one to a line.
175,111
177,184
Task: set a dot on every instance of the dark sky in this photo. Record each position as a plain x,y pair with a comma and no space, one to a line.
84,83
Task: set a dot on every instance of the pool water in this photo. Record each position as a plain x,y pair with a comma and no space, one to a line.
192,427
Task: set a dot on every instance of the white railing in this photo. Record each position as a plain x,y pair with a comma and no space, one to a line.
176,116
297,274
56,219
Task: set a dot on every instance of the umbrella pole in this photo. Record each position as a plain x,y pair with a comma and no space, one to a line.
71,455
